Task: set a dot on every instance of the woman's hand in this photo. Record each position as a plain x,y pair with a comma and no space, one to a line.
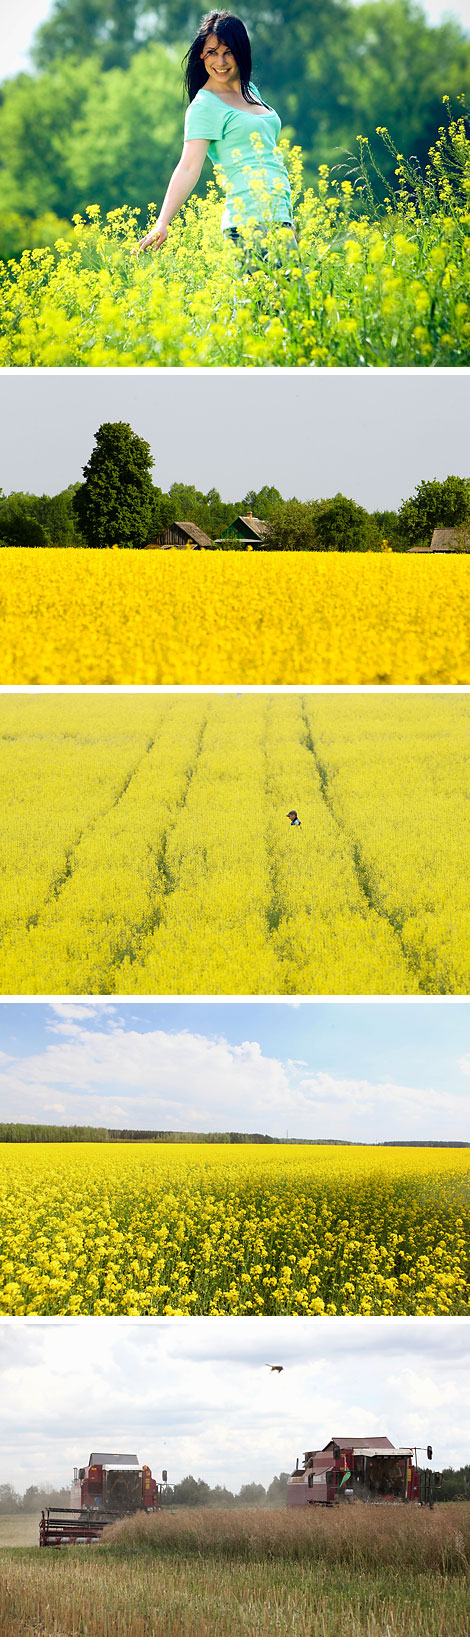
184,178
152,240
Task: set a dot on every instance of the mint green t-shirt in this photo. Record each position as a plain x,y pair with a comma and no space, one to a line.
243,164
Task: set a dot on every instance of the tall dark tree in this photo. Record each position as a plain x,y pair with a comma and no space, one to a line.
114,504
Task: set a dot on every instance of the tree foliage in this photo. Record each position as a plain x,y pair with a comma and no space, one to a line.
342,525
114,504
39,520
434,505
336,524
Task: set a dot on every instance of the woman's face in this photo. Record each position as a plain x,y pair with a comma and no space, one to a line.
221,67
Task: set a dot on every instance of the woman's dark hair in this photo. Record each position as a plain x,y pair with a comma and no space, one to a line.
233,33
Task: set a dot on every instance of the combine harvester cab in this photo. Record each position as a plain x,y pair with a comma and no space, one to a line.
110,1487
371,1470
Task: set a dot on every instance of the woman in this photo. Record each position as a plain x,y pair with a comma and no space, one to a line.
228,120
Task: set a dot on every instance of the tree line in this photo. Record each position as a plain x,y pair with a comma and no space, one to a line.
10,1132
99,119
118,504
454,1486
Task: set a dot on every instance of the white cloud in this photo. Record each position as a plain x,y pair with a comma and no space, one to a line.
195,1395
112,1074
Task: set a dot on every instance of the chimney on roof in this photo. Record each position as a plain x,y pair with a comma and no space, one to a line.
249,514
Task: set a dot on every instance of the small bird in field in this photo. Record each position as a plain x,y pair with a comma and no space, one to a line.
294,817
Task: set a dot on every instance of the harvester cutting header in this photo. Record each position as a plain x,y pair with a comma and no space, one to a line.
112,1486
361,1469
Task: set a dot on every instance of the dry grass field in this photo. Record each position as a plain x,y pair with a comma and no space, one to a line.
371,1573
19,1529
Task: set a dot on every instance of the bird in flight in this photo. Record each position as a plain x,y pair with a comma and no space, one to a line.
278,1367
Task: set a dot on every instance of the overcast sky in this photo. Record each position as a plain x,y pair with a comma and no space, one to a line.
194,1395
361,1070
370,436
22,19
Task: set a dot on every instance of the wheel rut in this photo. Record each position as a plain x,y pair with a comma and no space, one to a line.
361,867
162,874
64,874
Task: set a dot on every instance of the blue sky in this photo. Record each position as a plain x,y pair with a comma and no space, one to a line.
194,1395
365,1071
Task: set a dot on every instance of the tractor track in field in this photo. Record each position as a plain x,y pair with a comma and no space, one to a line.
162,872
64,874
275,908
361,868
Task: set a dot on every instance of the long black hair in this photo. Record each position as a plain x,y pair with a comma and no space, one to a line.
232,31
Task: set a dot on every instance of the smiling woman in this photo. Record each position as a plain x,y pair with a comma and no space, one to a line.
228,120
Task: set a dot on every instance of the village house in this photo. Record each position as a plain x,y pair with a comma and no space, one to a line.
442,540
246,531
185,536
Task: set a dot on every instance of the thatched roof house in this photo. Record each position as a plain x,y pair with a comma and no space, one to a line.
442,540
185,536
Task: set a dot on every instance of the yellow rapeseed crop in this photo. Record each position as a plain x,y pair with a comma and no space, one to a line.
221,1229
386,287
145,846
218,617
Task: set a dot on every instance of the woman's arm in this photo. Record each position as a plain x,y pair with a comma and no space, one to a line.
183,180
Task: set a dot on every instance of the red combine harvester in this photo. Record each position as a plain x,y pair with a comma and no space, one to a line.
361,1469
109,1488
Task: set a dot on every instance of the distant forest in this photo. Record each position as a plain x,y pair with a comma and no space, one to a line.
335,524
88,1133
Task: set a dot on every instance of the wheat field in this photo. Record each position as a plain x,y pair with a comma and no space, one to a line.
250,1575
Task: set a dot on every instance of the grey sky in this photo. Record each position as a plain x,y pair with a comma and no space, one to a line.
23,19
194,1395
372,436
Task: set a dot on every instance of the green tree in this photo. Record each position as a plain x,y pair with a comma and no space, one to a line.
75,137
191,1492
292,526
39,520
434,505
114,504
114,29
251,1494
276,1492
262,502
454,1484
341,525
388,528
398,70
37,117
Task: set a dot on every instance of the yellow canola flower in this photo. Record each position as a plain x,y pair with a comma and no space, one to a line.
152,617
304,1229
145,846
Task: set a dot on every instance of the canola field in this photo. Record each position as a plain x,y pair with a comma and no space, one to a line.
98,617
145,846
385,286
217,1229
